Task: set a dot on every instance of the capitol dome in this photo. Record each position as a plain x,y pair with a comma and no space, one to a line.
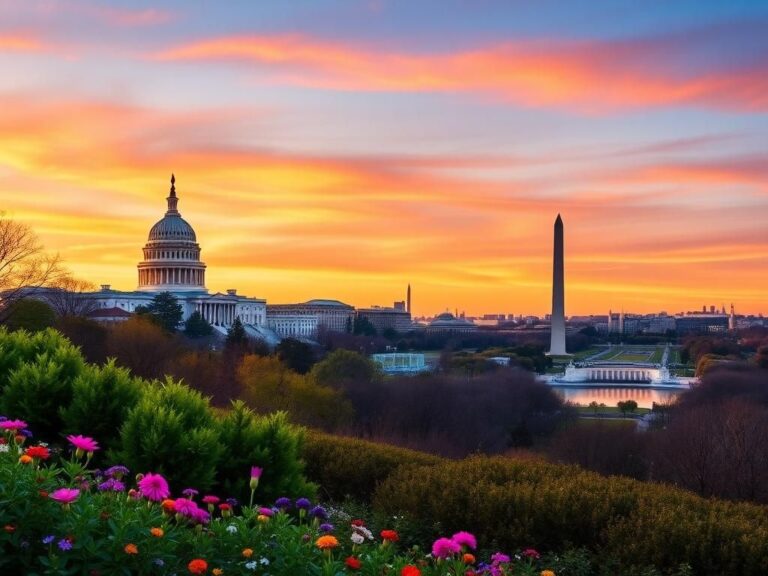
172,254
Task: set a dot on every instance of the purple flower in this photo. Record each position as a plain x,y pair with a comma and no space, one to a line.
116,471
233,502
319,513
303,504
465,539
26,433
283,503
266,512
185,507
326,527
111,485
200,516
48,539
64,545
190,492
500,558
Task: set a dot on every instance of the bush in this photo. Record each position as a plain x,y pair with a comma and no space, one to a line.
171,431
37,389
347,467
101,399
19,347
515,504
265,441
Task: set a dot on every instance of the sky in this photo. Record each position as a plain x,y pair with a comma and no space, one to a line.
332,149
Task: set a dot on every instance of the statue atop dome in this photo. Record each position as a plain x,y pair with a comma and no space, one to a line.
172,200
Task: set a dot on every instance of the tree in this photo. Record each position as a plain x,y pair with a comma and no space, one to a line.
142,346
196,326
761,359
627,406
343,367
29,314
69,296
363,326
88,335
164,310
236,335
297,355
24,266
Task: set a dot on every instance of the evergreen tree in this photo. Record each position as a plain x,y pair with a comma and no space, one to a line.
297,355
164,310
196,326
236,335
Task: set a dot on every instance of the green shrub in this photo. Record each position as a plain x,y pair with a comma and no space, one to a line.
171,431
348,467
17,348
37,389
517,504
101,399
265,441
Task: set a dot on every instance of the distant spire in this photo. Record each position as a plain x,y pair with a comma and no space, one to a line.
172,199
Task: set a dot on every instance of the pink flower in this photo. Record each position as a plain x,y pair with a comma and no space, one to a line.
13,425
500,558
65,495
200,516
83,443
211,499
154,487
444,548
465,539
256,472
267,512
531,553
185,507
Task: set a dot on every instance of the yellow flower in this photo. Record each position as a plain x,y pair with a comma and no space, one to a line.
157,532
547,573
247,552
217,572
262,518
326,542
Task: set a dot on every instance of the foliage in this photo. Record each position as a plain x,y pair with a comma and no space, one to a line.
236,335
363,327
268,442
37,389
88,335
196,326
626,406
29,314
164,310
171,431
141,346
348,467
295,354
345,368
101,399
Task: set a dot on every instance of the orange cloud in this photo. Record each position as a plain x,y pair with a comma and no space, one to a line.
20,43
91,178
590,76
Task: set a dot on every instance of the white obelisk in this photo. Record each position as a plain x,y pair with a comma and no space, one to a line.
557,342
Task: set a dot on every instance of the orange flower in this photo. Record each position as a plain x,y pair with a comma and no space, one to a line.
468,559
326,542
217,572
25,459
547,573
131,549
10,528
169,506
262,518
198,566
157,532
247,552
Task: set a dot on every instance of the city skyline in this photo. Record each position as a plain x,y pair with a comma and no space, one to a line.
340,150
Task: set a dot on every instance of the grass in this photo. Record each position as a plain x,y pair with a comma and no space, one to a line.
587,353
631,357
607,410
583,423
657,355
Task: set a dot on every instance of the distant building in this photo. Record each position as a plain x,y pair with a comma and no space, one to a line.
330,315
382,319
447,322
701,323
398,362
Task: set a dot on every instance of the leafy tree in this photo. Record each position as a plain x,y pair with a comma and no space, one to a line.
196,326
142,346
297,355
29,314
343,367
164,310
88,335
236,335
363,326
627,406
761,359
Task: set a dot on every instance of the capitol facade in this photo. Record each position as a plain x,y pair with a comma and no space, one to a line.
172,264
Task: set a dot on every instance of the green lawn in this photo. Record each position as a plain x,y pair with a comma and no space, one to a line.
608,410
626,356
658,355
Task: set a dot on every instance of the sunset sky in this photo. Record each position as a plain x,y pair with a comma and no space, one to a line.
329,149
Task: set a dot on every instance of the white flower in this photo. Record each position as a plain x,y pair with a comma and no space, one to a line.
251,565
232,529
264,561
357,538
3,447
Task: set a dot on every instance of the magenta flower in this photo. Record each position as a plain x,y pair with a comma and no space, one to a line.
13,425
185,507
209,499
445,548
500,558
65,495
256,472
531,553
266,512
83,443
200,516
154,487
465,539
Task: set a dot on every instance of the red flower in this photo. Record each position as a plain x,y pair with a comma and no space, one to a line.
198,566
10,528
390,535
353,563
358,523
410,571
39,452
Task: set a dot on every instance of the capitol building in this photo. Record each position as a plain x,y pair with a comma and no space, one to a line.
172,264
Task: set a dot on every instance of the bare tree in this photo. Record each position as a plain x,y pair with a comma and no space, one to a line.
24,266
69,296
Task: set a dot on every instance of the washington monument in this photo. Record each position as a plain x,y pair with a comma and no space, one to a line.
557,342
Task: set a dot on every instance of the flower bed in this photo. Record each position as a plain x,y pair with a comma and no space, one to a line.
60,516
